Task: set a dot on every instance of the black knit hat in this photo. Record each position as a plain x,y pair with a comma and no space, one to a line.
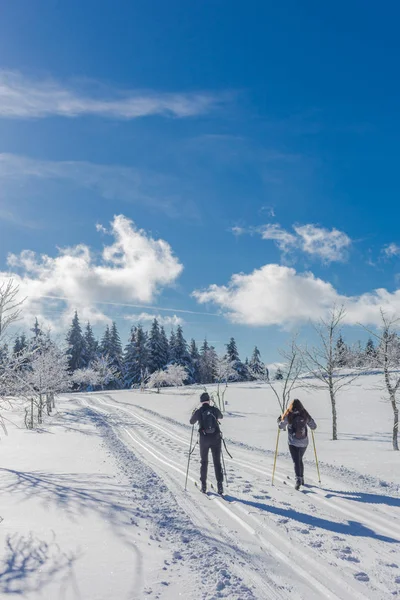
204,397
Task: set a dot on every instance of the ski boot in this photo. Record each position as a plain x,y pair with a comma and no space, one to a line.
298,483
220,488
203,488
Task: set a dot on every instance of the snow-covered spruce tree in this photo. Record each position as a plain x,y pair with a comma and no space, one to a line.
232,355
256,366
319,361
182,356
76,345
387,358
164,347
171,346
116,356
105,344
370,353
91,344
195,359
208,360
341,353
278,374
156,349
136,358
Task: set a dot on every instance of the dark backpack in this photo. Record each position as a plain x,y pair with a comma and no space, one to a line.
299,426
209,423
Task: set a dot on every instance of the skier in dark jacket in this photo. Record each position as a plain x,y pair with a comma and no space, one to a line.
297,419
207,417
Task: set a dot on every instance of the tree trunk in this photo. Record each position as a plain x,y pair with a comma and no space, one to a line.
40,409
334,413
53,401
395,423
31,413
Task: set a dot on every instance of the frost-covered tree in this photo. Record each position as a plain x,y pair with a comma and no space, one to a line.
278,374
47,376
319,361
224,371
10,305
173,375
106,372
76,345
388,359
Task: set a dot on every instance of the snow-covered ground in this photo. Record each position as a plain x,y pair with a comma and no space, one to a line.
93,504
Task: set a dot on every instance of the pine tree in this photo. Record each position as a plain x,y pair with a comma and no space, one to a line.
341,353
208,361
115,355
17,346
232,351
279,374
156,348
370,353
232,355
182,356
76,346
136,357
195,358
256,366
164,347
37,338
105,344
91,344
171,347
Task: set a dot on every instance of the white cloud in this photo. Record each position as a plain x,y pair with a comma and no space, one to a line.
329,245
278,295
112,182
284,240
166,321
392,250
24,97
133,268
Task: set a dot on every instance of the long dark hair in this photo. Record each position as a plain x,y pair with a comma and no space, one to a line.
295,406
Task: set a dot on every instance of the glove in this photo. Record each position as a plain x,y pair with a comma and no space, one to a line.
279,419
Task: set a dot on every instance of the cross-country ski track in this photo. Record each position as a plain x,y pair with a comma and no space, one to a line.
313,544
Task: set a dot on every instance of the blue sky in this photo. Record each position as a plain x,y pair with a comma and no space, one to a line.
243,135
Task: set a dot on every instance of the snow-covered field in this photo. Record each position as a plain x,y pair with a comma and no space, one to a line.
93,504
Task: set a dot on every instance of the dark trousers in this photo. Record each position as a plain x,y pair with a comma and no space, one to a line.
210,442
297,457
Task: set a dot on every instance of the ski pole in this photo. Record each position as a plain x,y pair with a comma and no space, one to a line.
316,457
276,453
190,452
223,464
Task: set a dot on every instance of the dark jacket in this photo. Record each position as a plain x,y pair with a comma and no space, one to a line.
197,416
